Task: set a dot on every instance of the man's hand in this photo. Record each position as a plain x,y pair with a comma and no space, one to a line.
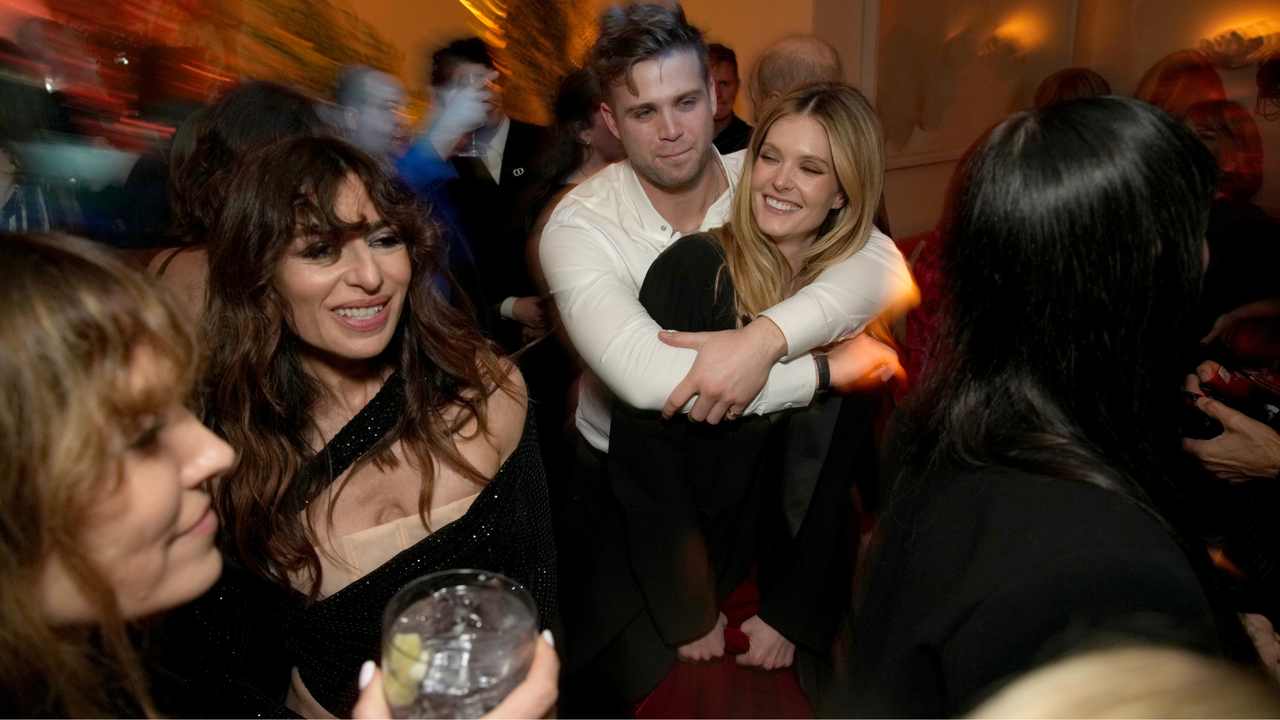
528,334
862,363
708,646
769,649
528,311
457,111
1245,450
730,371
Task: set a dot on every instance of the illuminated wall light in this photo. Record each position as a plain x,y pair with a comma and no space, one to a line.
1242,46
1015,36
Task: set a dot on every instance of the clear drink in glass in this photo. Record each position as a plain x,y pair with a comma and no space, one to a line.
471,147
455,643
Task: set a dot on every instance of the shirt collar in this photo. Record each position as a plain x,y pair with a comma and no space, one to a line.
499,141
652,220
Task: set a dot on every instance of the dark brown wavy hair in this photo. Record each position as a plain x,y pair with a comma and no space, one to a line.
254,391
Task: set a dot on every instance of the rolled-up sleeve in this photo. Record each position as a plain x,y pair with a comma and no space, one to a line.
844,298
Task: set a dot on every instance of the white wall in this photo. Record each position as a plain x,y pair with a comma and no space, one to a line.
1119,38
1122,39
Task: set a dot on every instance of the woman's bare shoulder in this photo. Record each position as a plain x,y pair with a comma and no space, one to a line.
506,410
185,276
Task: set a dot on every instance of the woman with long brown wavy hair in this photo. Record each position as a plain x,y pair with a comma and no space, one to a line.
381,436
105,516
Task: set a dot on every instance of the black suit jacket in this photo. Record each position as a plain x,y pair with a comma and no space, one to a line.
494,215
980,575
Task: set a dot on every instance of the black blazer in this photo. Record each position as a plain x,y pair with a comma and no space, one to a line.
980,575
493,214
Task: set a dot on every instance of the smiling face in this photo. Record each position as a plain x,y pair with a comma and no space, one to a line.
666,126
345,295
151,534
793,181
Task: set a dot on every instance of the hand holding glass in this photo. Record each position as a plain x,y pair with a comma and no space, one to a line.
455,643
471,148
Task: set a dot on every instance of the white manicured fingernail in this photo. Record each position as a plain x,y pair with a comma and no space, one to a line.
366,674
546,635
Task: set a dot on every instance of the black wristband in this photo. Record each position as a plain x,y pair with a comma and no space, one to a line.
824,373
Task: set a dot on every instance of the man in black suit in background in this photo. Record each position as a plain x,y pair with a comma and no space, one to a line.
496,175
732,134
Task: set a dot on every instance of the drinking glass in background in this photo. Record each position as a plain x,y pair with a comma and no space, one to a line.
455,643
470,147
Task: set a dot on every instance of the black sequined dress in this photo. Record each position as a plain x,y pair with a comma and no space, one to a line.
236,646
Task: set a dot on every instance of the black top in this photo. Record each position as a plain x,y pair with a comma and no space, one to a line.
699,504
735,136
983,574
243,637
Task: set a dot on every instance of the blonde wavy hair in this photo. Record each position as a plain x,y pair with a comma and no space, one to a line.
71,404
761,276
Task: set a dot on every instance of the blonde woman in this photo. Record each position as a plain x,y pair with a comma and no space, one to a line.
701,525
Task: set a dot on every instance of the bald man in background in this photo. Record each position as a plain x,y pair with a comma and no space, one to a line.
788,64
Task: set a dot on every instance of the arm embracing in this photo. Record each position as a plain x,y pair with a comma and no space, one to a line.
845,297
614,335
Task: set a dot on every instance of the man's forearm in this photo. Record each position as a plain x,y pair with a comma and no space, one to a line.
845,297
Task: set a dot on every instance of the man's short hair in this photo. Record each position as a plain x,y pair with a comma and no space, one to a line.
718,54
642,31
785,69
350,90
467,50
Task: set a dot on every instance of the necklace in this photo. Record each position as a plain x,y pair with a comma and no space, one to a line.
715,171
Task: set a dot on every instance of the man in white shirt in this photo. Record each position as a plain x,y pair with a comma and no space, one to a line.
599,242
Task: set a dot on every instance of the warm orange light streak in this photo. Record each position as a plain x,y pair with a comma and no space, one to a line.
489,17
1025,29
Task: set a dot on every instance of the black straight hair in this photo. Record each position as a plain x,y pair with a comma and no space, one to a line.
1075,262
577,102
447,59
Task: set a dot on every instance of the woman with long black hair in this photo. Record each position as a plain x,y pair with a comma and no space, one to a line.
1033,505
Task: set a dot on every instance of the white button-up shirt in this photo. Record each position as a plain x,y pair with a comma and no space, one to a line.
596,249
494,149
